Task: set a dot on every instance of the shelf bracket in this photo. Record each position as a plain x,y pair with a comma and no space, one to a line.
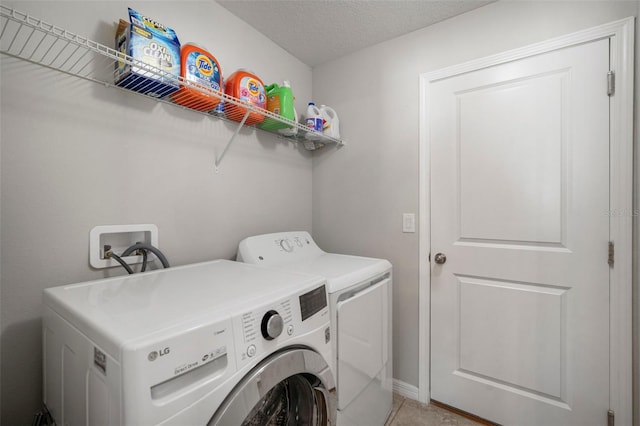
224,151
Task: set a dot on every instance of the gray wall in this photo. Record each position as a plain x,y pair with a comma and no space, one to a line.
361,191
76,154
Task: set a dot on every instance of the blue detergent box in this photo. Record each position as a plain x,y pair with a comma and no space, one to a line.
157,49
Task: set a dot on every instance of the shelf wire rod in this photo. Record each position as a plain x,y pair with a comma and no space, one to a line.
35,49
70,56
46,50
219,160
60,51
86,52
4,28
85,77
33,30
13,40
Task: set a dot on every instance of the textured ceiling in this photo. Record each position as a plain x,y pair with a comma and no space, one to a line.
317,31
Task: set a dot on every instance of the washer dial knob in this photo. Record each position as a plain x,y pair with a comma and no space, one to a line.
272,325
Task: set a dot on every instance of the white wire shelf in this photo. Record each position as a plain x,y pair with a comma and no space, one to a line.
25,37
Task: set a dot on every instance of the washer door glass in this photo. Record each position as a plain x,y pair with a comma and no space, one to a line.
293,401
292,387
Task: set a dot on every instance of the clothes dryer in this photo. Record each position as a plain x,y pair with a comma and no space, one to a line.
217,343
360,294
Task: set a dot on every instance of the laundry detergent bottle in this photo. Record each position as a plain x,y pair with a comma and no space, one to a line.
290,131
201,68
247,87
280,102
313,121
331,123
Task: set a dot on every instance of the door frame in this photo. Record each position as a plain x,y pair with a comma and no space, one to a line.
621,36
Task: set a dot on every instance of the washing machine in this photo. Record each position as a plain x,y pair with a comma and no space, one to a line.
360,292
216,343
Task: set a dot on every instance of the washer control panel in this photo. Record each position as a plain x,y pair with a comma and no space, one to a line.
258,325
260,331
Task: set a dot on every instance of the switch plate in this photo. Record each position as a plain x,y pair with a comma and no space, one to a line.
408,222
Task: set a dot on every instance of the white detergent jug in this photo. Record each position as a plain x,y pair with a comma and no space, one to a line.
313,121
331,125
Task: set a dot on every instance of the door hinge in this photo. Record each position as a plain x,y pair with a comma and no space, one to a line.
611,254
611,418
611,83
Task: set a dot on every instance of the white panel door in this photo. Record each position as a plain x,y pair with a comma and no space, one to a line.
519,195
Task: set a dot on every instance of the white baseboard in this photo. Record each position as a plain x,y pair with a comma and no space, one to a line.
405,389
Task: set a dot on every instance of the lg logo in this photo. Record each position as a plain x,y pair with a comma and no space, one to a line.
154,355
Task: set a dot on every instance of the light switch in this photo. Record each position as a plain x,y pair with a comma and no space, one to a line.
408,222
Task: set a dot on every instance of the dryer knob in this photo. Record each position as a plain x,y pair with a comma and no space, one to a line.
286,245
272,325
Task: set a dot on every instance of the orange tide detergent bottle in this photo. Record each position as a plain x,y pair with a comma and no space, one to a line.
201,68
246,87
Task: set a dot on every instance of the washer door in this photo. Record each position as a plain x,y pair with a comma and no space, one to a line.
290,387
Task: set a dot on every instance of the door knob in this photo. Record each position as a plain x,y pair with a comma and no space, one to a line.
440,258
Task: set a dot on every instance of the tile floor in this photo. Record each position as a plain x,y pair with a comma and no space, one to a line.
407,412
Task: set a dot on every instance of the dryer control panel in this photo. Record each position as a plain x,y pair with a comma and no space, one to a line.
278,248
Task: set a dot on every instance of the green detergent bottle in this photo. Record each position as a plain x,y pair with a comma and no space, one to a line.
279,101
